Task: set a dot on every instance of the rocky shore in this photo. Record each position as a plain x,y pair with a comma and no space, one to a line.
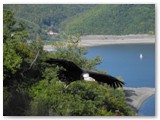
136,96
96,40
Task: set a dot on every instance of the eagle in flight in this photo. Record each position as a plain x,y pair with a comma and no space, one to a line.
73,72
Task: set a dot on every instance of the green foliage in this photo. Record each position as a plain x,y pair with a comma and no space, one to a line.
18,52
51,96
80,98
42,18
11,60
18,56
47,15
113,19
86,19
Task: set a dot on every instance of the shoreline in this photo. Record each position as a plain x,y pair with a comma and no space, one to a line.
98,40
136,96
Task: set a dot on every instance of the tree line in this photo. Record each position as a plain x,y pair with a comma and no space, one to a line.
113,20
86,19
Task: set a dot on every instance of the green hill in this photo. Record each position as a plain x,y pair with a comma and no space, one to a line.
41,18
113,19
85,18
46,15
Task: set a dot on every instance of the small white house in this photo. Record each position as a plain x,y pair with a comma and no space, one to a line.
50,32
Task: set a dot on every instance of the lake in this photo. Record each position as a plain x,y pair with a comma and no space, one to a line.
124,60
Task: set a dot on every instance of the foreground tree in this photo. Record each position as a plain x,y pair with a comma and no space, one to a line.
19,72
52,96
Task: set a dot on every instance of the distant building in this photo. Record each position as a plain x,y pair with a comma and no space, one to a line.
50,32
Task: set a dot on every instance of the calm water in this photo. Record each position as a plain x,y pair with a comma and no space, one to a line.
150,103
124,60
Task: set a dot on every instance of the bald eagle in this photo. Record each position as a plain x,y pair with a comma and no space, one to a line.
73,72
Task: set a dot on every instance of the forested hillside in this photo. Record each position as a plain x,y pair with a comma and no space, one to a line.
114,19
87,19
46,15
42,18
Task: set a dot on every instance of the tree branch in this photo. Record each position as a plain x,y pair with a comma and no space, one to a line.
34,59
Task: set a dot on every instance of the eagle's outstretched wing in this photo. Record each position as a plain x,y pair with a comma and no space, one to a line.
76,72
67,64
113,82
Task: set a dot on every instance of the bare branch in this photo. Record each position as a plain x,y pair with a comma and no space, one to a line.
34,59
31,64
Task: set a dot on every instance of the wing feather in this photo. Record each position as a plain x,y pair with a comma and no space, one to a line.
68,65
113,82
73,71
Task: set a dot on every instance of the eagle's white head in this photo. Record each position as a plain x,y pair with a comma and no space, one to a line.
87,77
